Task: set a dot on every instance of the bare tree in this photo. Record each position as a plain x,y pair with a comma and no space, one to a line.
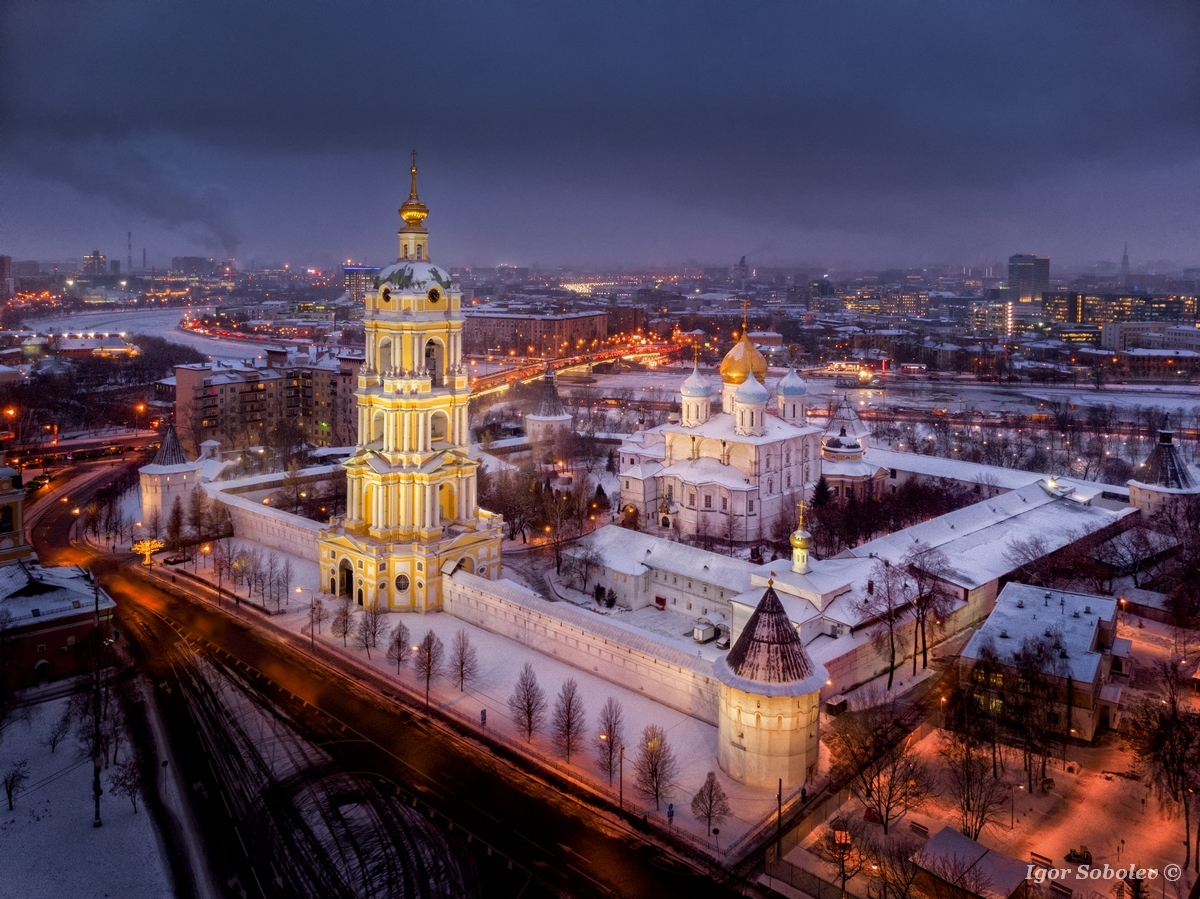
979,797
569,718
884,605
373,618
362,633
397,650
14,779
343,621
610,737
59,732
929,569
871,745
845,845
428,661
655,766
1166,735
710,803
898,867
464,660
528,702
125,779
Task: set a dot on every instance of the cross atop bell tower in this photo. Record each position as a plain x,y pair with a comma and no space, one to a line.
414,238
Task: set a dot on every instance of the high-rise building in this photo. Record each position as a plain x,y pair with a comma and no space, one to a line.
114,266
1029,276
7,285
195,265
359,280
94,263
411,508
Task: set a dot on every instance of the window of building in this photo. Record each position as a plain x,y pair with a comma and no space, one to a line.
626,483
41,647
671,492
70,641
750,506
770,485
691,500
724,504
708,500
788,479
892,472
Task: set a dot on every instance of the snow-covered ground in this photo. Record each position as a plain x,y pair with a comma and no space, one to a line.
52,823
500,662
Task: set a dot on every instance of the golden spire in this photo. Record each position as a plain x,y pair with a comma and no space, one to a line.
696,355
745,316
800,515
800,538
413,211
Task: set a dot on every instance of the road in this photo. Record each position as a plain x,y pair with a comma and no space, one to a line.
309,783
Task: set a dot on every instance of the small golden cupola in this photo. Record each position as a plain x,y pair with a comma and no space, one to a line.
744,359
414,239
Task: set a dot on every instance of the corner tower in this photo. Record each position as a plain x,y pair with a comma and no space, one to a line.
411,507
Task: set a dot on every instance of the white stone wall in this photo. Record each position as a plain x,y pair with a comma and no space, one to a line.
291,534
586,641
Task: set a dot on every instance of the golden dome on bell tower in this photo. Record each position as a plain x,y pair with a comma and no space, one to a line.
744,359
412,210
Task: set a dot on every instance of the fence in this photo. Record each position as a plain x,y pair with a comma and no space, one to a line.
804,881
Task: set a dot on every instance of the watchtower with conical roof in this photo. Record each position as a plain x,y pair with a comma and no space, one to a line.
551,416
170,475
1164,476
768,722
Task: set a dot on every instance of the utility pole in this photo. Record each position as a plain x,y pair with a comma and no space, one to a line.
96,699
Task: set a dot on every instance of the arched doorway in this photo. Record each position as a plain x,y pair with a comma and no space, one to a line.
467,564
439,427
345,586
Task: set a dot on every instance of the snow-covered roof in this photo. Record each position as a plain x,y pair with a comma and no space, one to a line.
707,471
978,539
1166,468
32,593
170,452
1026,612
722,427
769,652
634,553
993,874
845,417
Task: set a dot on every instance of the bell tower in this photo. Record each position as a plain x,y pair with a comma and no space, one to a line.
411,506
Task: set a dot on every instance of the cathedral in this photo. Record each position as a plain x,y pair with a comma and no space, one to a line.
411,508
729,474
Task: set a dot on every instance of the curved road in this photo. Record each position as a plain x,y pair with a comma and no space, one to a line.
525,838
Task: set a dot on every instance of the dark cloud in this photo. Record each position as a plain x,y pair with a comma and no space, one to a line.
856,118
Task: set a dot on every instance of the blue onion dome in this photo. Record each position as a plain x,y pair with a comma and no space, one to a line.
696,384
751,391
791,384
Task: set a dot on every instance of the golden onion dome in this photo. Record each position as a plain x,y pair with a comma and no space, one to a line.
742,361
412,210
800,540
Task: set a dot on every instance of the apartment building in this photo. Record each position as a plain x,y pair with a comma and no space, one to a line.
239,404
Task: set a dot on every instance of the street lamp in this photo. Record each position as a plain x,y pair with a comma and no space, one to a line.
621,794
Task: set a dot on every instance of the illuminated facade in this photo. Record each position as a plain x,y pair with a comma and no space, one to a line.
411,510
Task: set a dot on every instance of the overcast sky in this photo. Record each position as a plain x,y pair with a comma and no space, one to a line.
805,132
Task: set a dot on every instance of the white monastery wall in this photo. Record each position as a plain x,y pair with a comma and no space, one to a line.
252,520
586,641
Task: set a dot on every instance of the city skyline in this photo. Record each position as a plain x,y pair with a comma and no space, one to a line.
857,137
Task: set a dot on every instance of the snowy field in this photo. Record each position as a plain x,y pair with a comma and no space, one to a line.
52,822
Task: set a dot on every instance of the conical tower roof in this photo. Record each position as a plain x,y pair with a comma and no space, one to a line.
170,452
1165,467
769,649
846,423
550,403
